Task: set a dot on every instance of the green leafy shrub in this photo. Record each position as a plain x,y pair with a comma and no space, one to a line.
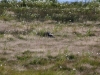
39,61
23,57
90,33
1,11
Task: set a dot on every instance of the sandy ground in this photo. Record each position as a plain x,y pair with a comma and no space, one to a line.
13,42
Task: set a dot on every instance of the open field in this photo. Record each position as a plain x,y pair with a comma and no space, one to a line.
74,49
39,38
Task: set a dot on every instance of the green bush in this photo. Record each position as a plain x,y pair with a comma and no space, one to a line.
39,61
1,11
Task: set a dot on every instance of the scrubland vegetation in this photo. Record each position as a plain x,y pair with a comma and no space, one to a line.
25,49
66,12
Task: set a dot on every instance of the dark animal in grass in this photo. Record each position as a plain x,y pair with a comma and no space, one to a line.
45,34
48,34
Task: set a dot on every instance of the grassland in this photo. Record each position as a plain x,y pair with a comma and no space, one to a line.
74,49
